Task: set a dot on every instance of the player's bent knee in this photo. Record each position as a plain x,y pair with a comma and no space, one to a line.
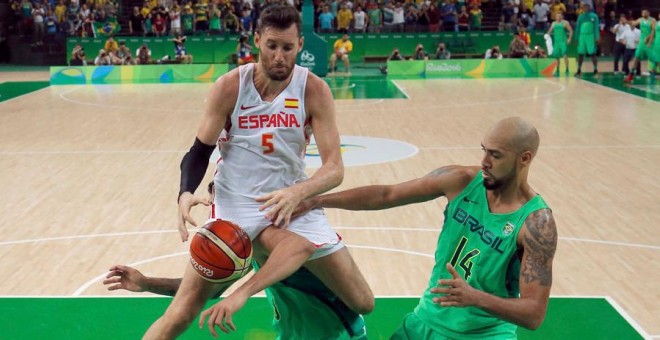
179,318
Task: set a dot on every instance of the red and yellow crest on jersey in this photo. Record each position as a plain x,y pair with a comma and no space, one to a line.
290,103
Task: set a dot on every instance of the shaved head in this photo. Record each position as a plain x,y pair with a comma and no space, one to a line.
516,134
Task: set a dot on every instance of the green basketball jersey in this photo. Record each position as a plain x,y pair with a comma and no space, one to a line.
559,32
645,28
482,247
587,24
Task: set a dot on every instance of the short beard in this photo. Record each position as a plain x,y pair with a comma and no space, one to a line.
499,183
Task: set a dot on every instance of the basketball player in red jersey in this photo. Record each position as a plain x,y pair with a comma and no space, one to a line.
267,110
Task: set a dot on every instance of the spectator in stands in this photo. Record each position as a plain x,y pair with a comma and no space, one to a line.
244,51
423,18
342,48
434,18
326,20
448,12
463,20
201,9
51,23
38,14
188,19
180,51
103,58
541,15
136,23
360,20
375,22
159,25
442,52
571,11
344,18
60,12
507,14
231,22
78,56
475,17
526,18
398,17
27,24
493,53
175,19
215,24
419,53
124,55
410,19
246,22
388,17
557,7
148,26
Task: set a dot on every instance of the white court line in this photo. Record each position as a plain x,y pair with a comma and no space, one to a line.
89,283
557,147
458,147
350,86
25,94
401,89
151,108
134,264
627,317
433,230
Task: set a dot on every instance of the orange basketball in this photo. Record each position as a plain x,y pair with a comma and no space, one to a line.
221,251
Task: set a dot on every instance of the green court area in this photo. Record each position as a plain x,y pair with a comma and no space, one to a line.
642,86
128,318
13,89
364,87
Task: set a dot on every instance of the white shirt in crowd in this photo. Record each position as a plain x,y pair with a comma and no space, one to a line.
360,20
541,12
632,38
38,15
620,30
398,16
175,19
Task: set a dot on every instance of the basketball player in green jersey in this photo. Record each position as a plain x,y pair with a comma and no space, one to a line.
304,308
587,31
647,27
654,64
493,267
561,33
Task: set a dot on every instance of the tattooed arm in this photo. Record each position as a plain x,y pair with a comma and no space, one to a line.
446,181
538,238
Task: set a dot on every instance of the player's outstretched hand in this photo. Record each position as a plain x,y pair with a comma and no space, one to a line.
186,202
125,277
457,292
304,206
282,203
220,314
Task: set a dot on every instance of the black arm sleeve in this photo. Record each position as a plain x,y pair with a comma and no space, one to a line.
193,166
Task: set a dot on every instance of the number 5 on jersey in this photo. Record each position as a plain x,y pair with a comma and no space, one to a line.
466,262
267,143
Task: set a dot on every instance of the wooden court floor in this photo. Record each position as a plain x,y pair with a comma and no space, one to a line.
89,176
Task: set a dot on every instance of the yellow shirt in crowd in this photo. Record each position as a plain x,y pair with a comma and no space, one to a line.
344,17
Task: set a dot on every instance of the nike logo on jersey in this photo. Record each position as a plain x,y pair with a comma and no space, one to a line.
243,107
465,199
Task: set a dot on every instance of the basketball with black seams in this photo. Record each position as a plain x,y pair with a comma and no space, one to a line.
221,252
